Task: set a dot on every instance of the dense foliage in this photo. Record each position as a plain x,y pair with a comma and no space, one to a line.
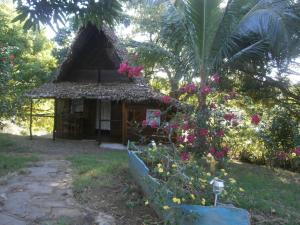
26,61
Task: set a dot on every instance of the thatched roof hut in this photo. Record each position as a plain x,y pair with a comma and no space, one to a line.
88,90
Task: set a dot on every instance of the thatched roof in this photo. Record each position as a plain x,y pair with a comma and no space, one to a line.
117,54
130,92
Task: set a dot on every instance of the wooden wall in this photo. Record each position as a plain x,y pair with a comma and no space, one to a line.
79,125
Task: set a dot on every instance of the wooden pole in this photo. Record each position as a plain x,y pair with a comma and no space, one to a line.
124,123
54,122
99,116
30,120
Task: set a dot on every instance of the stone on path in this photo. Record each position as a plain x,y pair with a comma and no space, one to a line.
43,196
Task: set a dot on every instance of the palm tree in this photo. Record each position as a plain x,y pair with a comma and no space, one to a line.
249,38
250,35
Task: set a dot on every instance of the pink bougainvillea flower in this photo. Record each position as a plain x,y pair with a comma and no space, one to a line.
282,155
255,119
154,124
174,126
144,123
212,150
297,151
219,154
203,132
229,116
180,139
184,156
157,113
225,150
135,71
213,106
215,78
166,99
190,88
220,133
186,126
205,90
191,138
123,68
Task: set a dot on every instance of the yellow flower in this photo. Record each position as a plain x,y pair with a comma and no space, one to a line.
193,196
294,155
222,170
241,189
176,200
174,166
160,170
203,201
208,174
203,180
165,207
159,165
147,202
225,174
232,180
190,183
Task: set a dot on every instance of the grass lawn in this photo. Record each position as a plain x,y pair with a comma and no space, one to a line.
10,158
103,183
271,195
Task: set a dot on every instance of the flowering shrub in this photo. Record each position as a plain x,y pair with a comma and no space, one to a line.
130,71
183,179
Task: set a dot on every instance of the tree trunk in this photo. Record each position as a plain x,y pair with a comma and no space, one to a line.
202,114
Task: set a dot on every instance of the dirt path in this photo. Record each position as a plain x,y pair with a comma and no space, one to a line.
42,195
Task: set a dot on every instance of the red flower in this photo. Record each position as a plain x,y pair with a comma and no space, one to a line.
157,113
191,138
154,124
213,106
144,123
189,88
205,90
255,119
203,131
229,116
123,68
186,126
184,156
174,126
135,71
212,150
166,99
220,133
225,150
219,154
297,151
180,139
215,78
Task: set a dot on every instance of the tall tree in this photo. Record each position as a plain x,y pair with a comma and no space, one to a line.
28,60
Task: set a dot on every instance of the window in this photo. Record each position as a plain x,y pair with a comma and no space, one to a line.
153,115
77,105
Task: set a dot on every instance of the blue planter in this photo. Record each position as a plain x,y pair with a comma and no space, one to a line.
188,214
